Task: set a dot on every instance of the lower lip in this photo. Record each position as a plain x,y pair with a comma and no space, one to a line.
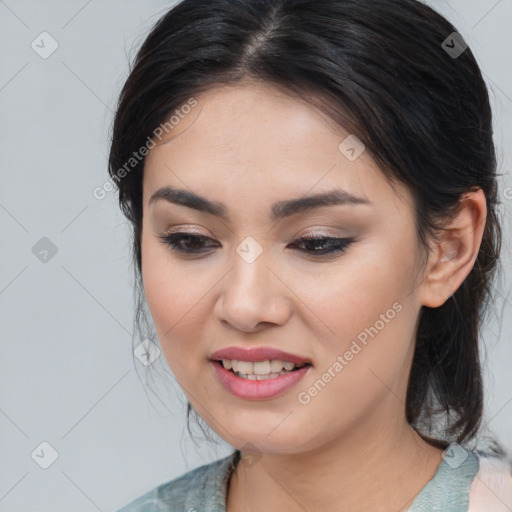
257,389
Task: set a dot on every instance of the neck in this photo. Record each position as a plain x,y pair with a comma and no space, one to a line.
374,468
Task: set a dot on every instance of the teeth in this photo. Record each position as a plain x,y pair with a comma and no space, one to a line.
261,377
259,369
245,367
276,365
262,367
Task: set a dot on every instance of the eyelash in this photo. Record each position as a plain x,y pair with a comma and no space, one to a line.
340,244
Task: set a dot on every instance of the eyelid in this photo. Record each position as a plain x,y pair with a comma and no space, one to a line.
318,232
184,229
308,232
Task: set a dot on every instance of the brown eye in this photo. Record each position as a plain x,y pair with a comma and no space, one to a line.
322,246
185,243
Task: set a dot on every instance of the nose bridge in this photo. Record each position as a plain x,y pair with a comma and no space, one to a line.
252,294
250,273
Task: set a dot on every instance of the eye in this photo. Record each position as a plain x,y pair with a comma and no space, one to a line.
326,245
187,243
174,240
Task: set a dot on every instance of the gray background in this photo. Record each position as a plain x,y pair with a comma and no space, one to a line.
67,373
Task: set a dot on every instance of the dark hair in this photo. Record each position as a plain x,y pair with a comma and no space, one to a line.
380,70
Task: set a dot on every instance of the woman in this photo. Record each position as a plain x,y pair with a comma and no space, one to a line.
312,190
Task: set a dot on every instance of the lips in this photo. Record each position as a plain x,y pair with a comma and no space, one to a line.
258,389
257,354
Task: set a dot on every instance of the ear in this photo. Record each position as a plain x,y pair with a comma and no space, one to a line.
455,252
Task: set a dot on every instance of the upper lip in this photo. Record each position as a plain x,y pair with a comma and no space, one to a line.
257,354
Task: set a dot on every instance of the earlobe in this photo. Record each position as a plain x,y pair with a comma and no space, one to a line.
456,251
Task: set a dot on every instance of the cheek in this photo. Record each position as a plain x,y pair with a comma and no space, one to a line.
165,290
174,327
345,297
178,302
364,312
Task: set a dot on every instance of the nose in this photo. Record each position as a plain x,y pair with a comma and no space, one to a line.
253,296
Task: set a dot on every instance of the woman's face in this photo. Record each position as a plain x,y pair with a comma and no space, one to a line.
350,313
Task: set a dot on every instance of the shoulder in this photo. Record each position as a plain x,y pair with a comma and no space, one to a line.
203,488
491,488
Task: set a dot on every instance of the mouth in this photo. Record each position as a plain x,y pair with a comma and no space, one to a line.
256,380
258,373
259,370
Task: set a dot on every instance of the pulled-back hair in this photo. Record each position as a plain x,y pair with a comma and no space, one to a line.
383,71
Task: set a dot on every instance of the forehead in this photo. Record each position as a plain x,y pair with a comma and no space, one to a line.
252,138
250,117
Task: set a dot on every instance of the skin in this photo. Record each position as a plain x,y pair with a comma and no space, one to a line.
350,448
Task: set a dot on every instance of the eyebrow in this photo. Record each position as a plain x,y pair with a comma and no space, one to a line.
280,210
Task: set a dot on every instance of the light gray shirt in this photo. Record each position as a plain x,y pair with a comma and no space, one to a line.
204,489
